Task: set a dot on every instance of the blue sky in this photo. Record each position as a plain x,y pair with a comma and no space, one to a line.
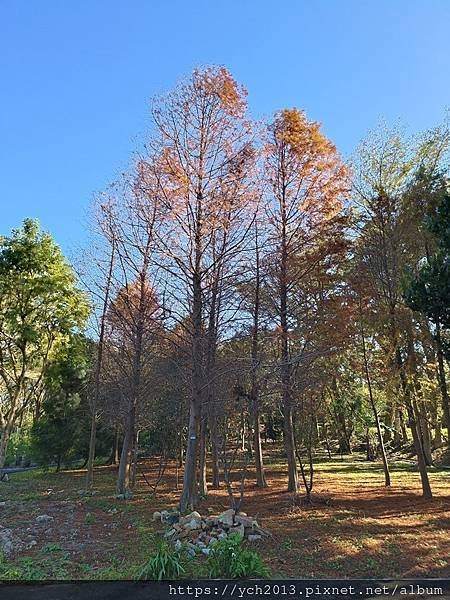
76,77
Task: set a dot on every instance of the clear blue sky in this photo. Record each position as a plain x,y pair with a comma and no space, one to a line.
76,77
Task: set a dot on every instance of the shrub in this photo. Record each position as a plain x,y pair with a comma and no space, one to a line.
229,560
167,563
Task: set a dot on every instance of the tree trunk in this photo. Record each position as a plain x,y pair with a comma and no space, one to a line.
135,459
91,455
288,426
4,446
254,391
387,476
415,429
202,486
98,368
214,453
116,446
289,446
257,448
426,436
189,494
442,380
413,421
126,456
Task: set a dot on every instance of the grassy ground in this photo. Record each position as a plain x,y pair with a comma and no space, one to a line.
354,528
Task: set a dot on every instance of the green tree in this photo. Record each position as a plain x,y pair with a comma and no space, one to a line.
428,289
40,309
61,433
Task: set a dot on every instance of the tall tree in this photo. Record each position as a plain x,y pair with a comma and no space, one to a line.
40,308
307,181
428,288
202,162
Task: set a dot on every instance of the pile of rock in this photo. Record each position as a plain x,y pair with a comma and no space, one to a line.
201,533
11,544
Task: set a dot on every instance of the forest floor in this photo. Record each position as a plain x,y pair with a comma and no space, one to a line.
354,528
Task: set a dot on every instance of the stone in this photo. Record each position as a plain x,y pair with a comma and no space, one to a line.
178,545
2,504
245,521
156,516
242,514
6,541
9,542
212,541
222,535
226,518
184,534
193,525
206,551
43,518
194,515
200,544
254,538
170,533
172,519
239,529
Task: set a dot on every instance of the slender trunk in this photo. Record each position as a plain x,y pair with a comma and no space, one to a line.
442,380
91,455
135,459
288,428
214,453
123,476
289,446
436,424
403,426
413,421
4,445
387,476
202,486
93,433
397,428
426,435
254,391
116,446
327,443
257,448
189,494
415,429
389,419
243,432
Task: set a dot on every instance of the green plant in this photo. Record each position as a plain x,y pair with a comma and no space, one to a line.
51,548
7,569
89,519
229,560
167,563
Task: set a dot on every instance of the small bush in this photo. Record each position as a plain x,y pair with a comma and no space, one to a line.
167,563
229,560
